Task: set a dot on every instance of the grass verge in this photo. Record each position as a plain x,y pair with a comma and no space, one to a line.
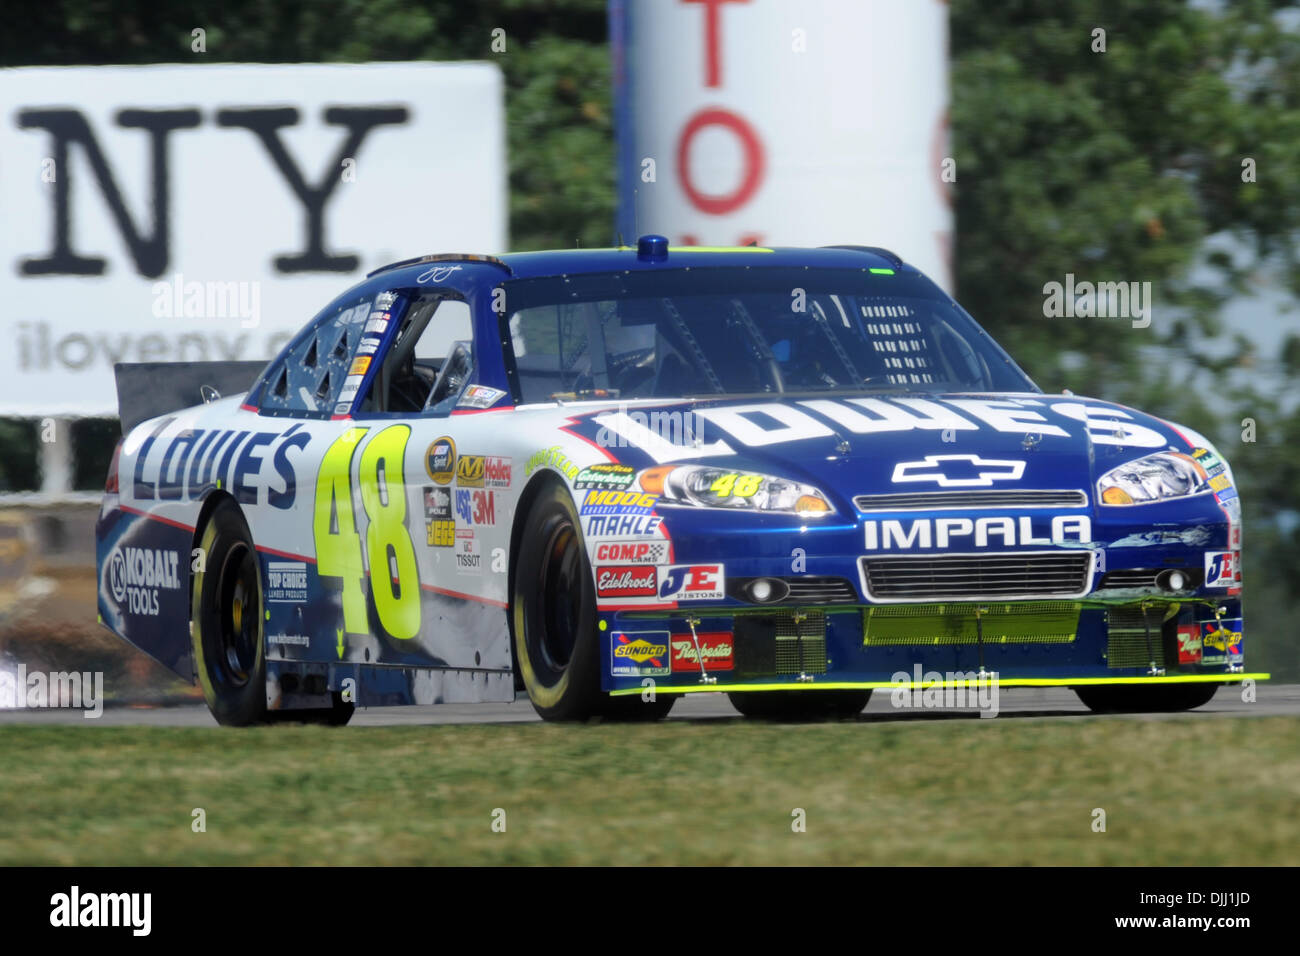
713,792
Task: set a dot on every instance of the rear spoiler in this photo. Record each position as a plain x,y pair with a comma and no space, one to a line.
146,390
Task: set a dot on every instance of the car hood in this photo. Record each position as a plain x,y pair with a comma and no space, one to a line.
883,444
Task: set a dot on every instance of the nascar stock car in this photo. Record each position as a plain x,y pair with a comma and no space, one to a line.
612,477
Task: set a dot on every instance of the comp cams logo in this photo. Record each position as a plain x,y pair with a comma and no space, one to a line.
136,575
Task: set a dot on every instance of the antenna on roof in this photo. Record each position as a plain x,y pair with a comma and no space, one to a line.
620,238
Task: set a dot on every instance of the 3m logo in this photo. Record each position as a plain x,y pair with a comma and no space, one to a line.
958,471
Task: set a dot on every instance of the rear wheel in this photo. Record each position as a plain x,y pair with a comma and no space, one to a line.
1137,699
226,621
801,704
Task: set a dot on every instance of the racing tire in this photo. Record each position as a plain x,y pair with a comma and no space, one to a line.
632,709
554,613
226,621
1136,699
801,704
336,715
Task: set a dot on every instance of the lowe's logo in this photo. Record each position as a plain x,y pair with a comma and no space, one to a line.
976,532
958,471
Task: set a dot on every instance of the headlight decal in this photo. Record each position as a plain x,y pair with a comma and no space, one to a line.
1163,476
728,489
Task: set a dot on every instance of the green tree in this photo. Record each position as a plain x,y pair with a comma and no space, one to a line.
1130,165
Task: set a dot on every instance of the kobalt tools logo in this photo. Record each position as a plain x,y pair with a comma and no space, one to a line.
958,471
136,574
974,532
627,582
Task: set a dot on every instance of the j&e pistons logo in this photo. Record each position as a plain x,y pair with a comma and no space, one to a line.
633,581
135,575
693,582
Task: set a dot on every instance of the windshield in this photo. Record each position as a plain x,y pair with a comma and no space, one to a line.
700,332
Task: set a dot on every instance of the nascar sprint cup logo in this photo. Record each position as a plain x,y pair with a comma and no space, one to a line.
135,575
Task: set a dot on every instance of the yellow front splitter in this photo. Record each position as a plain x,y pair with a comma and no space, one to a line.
923,684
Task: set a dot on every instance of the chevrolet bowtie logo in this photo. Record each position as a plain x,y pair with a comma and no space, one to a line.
935,468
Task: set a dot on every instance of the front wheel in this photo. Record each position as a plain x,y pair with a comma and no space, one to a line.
1138,699
226,621
801,704
554,608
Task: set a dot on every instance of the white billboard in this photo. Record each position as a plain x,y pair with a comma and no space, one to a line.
193,213
780,123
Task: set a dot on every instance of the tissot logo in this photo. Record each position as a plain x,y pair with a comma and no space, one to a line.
958,471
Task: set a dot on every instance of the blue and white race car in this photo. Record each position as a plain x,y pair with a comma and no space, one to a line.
613,477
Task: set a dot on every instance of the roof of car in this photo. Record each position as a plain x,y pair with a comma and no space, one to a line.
527,265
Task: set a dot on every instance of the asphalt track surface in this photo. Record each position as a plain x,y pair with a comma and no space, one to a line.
1272,700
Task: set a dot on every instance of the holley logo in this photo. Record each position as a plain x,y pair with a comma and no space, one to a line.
626,582
716,648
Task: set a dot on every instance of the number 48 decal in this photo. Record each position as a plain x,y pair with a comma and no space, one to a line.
394,576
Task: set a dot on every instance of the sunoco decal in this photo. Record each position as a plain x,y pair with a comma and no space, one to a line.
643,654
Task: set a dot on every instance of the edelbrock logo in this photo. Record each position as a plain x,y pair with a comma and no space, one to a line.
932,468
976,532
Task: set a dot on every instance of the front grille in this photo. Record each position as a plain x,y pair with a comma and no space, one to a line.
950,500
801,642
1030,622
1135,637
1132,578
819,590
1060,574
1145,579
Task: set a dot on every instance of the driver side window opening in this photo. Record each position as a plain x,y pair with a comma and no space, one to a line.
429,360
